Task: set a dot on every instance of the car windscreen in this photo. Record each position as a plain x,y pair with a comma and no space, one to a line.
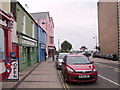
61,56
75,60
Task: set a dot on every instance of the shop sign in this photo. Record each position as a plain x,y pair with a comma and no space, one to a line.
14,71
28,42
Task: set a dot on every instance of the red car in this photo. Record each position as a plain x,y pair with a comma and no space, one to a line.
77,68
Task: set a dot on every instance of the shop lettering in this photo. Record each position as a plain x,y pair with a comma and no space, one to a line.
15,70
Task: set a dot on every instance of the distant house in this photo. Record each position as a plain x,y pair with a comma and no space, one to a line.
46,22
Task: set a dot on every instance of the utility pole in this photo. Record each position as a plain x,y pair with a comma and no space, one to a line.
58,44
95,37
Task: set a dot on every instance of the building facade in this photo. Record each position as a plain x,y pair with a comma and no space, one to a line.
119,30
46,22
108,27
26,36
6,22
41,37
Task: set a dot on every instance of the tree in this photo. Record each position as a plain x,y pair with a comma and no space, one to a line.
66,46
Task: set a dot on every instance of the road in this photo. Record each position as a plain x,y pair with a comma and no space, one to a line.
108,76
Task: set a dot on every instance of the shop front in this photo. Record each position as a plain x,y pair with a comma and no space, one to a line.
27,51
6,23
51,51
43,50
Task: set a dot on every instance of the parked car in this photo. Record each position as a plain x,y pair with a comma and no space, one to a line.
60,59
77,68
81,53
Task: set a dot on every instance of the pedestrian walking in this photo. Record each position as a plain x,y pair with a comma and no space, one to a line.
53,57
45,55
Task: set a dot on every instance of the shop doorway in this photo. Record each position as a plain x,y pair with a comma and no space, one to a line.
28,56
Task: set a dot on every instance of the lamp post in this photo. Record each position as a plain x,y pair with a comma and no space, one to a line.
58,44
95,37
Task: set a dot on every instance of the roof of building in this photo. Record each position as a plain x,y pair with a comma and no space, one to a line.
40,15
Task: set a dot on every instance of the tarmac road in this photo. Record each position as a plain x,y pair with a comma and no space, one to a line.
107,79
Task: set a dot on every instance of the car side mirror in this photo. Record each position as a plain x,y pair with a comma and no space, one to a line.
92,61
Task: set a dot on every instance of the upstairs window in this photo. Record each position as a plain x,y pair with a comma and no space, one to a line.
33,30
24,24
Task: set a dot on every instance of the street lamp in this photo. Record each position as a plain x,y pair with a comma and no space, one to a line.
95,37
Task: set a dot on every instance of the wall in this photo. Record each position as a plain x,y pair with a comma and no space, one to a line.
29,22
108,27
41,43
5,5
49,28
119,30
27,43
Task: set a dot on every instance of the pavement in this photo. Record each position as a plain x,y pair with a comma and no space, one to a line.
42,75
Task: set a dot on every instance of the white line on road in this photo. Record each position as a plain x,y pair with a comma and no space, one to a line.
109,80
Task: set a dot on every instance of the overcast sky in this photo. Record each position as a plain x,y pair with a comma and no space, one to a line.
74,20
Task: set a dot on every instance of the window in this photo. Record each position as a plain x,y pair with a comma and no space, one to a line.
75,60
2,45
24,54
51,40
24,24
33,30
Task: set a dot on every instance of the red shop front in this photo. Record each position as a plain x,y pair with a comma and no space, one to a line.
6,22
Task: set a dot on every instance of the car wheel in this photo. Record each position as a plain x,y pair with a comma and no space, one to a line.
58,67
65,80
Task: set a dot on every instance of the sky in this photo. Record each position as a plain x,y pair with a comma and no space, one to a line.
74,20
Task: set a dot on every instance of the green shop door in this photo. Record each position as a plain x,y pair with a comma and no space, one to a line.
29,56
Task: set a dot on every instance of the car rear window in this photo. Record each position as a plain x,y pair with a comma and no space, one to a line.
74,60
61,56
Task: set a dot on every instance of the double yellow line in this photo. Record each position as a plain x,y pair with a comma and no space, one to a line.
66,87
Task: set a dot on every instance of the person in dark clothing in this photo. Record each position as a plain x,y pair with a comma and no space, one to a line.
45,56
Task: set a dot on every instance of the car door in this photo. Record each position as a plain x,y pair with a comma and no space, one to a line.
63,68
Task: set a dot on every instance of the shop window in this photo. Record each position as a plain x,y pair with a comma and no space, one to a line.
24,54
2,45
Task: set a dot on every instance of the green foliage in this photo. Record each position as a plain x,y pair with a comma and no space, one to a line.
66,46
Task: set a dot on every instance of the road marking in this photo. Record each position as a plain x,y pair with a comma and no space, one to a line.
62,78
117,70
108,66
109,80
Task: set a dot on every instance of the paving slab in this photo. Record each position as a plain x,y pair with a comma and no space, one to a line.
43,76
